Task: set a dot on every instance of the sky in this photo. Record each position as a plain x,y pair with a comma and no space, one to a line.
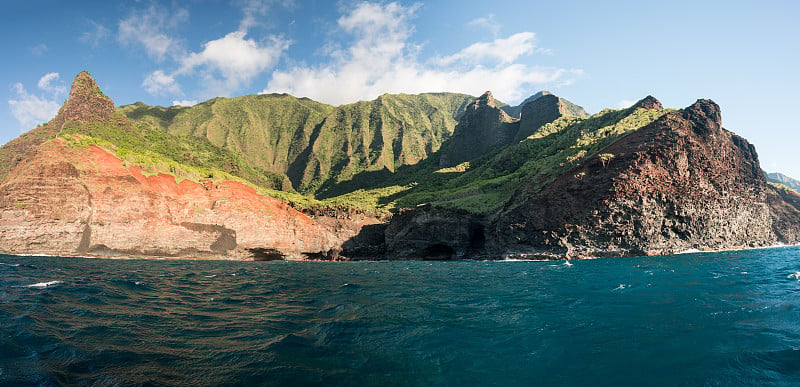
744,55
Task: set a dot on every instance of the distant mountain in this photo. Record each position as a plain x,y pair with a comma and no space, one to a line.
566,107
785,180
427,176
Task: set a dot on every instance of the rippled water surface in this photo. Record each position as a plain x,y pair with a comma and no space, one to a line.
696,319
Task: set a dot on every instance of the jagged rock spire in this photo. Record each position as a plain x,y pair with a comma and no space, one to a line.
706,115
487,99
86,102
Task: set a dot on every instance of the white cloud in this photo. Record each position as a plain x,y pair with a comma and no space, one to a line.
149,29
51,83
488,22
184,103
31,110
96,35
228,63
158,83
503,51
382,59
39,49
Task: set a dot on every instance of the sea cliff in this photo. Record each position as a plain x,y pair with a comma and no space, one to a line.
403,181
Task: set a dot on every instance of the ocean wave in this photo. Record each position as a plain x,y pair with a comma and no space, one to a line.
42,285
622,287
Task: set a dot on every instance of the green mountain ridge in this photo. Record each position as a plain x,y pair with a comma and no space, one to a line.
376,155
779,178
313,144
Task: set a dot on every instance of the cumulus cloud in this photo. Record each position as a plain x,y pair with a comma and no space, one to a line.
223,65
30,109
52,84
383,59
149,29
503,51
158,83
228,63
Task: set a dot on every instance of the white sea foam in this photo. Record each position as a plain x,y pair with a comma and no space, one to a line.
567,263
10,264
622,287
210,276
42,285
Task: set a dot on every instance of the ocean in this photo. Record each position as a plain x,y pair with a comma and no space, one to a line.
725,318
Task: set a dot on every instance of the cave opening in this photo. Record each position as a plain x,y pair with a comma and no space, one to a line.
439,252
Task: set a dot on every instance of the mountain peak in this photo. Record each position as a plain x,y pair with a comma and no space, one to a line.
706,114
487,99
86,101
648,102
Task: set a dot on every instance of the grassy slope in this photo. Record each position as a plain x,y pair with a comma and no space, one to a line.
784,180
484,185
314,144
180,155
373,155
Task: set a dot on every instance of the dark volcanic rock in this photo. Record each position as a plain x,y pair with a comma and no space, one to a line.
483,127
516,111
432,233
679,183
648,102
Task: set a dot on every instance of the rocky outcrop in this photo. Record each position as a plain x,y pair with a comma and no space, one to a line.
648,102
482,128
433,233
64,198
676,183
682,182
86,103
71,200
542,110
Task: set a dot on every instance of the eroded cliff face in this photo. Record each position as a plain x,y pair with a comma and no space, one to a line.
682,182
432,233
85,201
482,128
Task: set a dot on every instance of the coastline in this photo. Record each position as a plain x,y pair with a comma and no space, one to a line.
506,258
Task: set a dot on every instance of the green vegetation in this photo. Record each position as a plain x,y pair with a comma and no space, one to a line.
374,156
784,180
183,156
552,150
315,145
783,187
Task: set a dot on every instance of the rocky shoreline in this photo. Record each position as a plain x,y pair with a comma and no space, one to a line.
678,183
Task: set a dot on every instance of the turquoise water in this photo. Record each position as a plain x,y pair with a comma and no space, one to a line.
729,318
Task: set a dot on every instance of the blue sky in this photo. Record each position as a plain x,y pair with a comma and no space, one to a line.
742,54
